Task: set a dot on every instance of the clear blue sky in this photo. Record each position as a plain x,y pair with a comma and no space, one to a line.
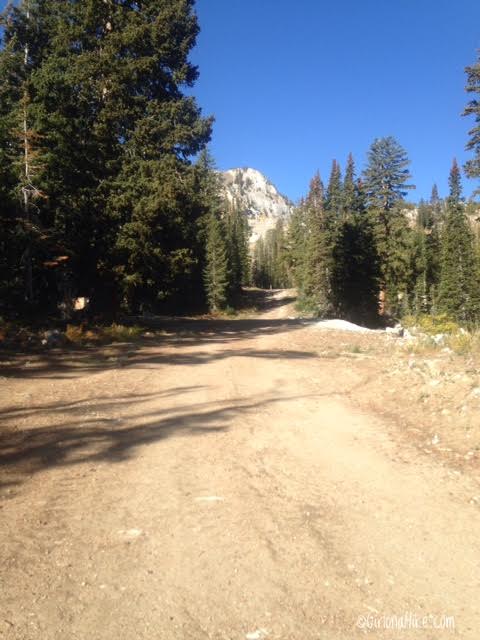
294,84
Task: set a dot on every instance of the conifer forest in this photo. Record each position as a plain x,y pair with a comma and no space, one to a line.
108,190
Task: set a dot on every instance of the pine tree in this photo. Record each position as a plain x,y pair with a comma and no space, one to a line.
419,298
152,197
115,132
235,231
425,256
434,198
243,243
260,276
315,291
386,175
295,245
437,206
333,214
333,200
472,167
350,196
216,274
386,183
208,199
459,294
424,215
356,256
22,237
237,239
271,259
11,279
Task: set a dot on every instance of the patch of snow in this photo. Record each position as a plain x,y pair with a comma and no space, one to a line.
257,635
342,325
130,533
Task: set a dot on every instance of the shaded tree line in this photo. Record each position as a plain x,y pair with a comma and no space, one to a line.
107,192
356,249
99,193
228,263
270,267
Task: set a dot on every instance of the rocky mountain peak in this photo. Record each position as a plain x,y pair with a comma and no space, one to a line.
257,197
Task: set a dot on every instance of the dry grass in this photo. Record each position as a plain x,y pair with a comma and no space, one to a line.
432,324
434,333
121,333
465,343
18,337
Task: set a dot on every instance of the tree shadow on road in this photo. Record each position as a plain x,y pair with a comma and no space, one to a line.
173,343
111,428
77,435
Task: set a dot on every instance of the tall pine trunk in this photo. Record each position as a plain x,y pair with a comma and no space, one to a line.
26,193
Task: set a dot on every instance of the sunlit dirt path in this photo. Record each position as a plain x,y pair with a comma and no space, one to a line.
219,483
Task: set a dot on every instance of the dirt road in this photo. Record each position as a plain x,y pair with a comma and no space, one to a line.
220,483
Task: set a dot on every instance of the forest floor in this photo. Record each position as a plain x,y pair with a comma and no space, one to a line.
229,479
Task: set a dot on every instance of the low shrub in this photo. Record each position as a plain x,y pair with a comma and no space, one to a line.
4,328
464,343
432,324
121,333
75,334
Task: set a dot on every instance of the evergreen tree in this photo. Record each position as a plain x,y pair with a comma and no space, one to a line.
260,273
295,243
419,295
356,257
459,294
271,259
472,167
351,200
333,213
22,242
153,197
386,175
316,281
216,274
234,226
237,238
331,250
114,133
208,199
385,184
437,206
434,198
424,215
333,200
281,273
426,256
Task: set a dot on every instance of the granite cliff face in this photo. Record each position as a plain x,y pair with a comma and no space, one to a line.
257,197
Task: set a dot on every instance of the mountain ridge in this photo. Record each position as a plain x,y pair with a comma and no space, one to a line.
257,197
